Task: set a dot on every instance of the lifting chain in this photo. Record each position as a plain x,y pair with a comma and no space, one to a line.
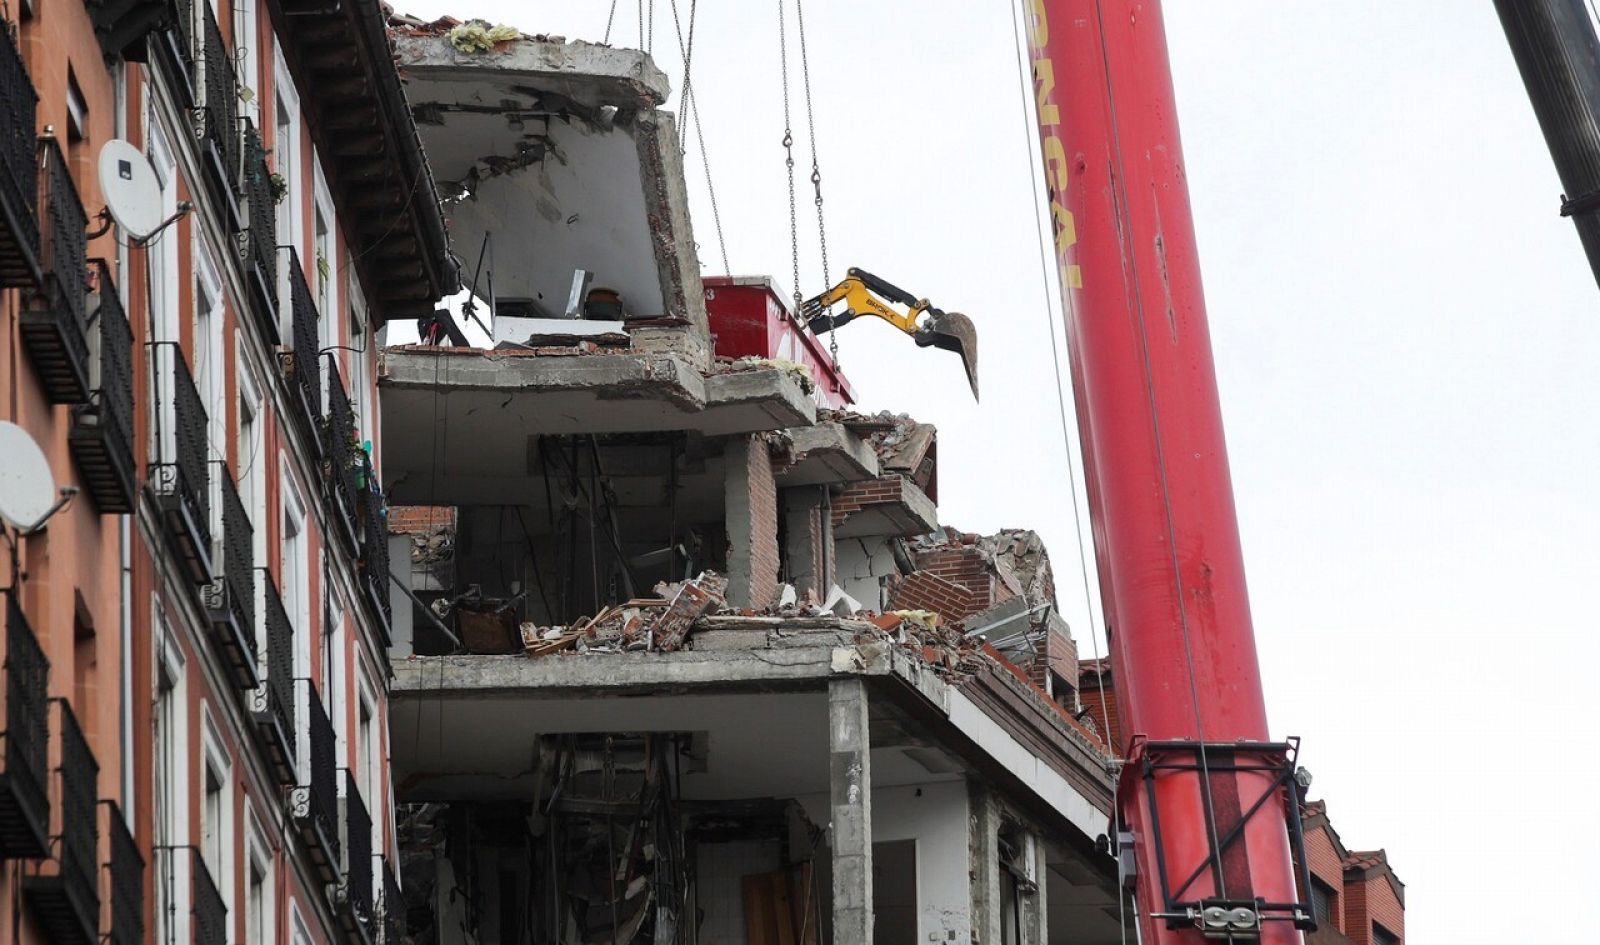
816,167
788,157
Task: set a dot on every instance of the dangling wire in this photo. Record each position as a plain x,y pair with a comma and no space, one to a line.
690,105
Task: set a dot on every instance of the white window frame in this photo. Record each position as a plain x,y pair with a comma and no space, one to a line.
334,640
287,163
172,813
295,567
259,860
165,283
247,65
369,755
362,337
251,478
210,364
326,291
215,763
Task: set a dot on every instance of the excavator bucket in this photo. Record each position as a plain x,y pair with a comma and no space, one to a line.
952,331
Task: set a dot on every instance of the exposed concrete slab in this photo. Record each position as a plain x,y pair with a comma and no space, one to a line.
828,453
587,73
909,514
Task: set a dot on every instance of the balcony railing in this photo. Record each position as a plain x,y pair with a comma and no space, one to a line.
54,323
314,802
375,548
343,455
19,169
392,930
272,703
356,914
181,473
260,239
175,48
126,869
67,900
210,912
220,134
24,797
102,430
304,366
231,597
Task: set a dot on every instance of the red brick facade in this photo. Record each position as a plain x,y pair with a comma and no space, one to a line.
925,590
858,495
420,519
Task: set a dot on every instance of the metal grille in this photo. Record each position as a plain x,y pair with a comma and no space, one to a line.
280,659
394,907
27,732
307,366
127,883
324,772
65,258
114,392
343,458
19,173
80,828
262,240
185,473
222,100
183,30
238,559
210,913
358,850
375,548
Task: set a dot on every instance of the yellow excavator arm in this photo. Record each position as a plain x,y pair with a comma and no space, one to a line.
860,292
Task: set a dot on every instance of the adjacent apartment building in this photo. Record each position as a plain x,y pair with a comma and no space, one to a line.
195,646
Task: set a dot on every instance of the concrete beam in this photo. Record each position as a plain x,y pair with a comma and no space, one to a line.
850,792
828,453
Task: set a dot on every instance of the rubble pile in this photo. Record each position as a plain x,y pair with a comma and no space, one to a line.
661,623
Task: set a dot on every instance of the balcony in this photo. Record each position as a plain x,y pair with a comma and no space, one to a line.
314,802
344,458
102,430
231,597
392,930
210,913
24,795
219,133
272,702
355,896
181,474
260,238
19,169
375,547
123,26
67,900
54,321
302,366
175,51
126,869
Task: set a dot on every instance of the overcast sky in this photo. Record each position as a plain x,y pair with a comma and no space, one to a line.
1406,336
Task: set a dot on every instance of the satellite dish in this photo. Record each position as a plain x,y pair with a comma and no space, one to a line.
27,492
130,187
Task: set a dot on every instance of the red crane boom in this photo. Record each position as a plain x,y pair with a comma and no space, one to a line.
1207,801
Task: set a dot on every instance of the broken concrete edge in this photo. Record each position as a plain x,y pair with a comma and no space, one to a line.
622,374
831,439
626,78
667,206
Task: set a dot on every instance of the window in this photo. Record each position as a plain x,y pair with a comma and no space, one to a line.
325,266
286,164
369,753
258,897
1324,904
171,777
161,256
361,339
252,489
77,113
294,576
216,811
249,70
332,680
1382,936
208,359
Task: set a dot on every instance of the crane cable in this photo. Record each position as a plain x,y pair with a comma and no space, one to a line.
688,104
816,167
1026,88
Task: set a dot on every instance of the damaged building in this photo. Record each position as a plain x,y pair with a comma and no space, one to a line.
683,653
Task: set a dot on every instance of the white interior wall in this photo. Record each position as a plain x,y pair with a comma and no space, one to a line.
720,869
862,564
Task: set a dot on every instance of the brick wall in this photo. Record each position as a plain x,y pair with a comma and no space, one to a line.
1328,866
964,565
752,523
420,519
925,590
1102,703
1370,899
858,495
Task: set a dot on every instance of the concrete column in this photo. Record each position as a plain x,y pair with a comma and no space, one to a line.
985,834
808,540
750,502
850,783
1035,917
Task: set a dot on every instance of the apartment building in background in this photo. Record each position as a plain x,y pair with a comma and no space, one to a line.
195,648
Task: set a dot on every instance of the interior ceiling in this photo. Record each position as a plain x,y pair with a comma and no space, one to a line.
556,187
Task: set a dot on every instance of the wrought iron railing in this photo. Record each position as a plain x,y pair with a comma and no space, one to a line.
344,455
102,431
221,131
209,911
375,547
393,927
54,325
357,854
261,236
19,170
274,707
181,472
315,801
126,867
80,823
307,366
178,48
231,599
24,797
